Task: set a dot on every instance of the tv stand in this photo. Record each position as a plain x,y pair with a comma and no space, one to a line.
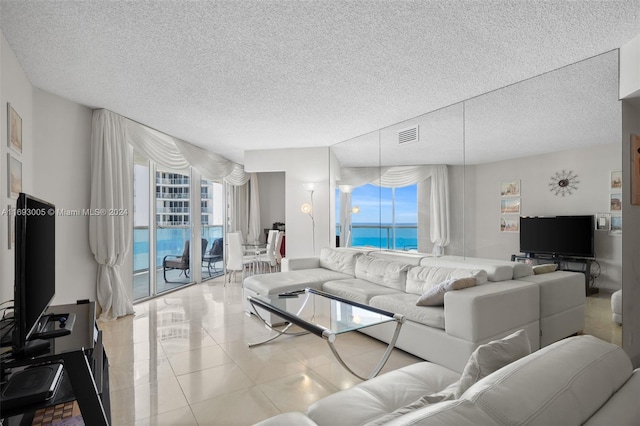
565,263
86,370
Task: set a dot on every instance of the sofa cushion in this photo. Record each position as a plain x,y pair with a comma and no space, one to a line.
406,257
420,279
435,295
405,304
357,290
382,272
580,375
339,260
381,395
497,270
454,412
491,357
279,282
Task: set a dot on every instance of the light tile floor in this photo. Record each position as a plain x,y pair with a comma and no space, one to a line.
183,359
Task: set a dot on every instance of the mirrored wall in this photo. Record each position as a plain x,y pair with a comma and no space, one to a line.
546,146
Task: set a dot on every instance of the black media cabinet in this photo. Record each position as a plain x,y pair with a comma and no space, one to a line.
86,370
572,264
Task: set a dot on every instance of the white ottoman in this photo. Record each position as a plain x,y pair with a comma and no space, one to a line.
616,306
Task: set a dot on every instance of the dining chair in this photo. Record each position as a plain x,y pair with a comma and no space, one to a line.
268,258
236,259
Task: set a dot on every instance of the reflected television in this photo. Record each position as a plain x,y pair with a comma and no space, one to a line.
558,236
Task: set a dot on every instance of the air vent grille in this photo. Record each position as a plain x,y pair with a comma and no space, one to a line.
410,134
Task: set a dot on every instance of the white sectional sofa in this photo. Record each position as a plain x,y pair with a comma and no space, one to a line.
577,381
508,297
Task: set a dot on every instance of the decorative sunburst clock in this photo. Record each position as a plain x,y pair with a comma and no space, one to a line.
564,183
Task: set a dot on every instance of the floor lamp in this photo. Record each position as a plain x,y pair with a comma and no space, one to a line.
308,209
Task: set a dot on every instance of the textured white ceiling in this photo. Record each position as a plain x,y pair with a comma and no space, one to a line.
238,75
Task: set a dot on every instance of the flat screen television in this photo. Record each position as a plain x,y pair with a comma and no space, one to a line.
570,236
35,270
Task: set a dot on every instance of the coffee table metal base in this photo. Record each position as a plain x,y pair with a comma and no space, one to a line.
324,333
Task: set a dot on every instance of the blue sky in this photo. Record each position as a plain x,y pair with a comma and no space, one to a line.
376,207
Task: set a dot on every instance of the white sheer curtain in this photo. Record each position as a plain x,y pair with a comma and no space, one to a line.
253,230
398,176
111,189
345,217
112,136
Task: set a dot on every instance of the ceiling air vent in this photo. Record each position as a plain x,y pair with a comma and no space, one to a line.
410,134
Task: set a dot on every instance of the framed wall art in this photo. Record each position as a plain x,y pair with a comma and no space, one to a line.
510,206
615,181
510,188
14,176
14,128
615,202
510,224
616,225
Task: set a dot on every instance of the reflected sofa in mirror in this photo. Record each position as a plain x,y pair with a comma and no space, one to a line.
528,137
409,198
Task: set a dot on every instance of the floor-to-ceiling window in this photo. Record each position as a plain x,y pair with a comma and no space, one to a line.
381,217
212,228
174,251
141,217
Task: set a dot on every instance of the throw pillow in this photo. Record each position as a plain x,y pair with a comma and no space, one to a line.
435,295
543,269
491,357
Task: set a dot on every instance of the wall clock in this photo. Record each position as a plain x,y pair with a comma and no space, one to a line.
564,183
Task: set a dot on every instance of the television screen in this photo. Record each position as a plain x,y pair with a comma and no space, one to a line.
558,235
35,271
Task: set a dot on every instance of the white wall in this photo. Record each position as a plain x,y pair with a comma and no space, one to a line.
16,89
630,239
62,175
593,167
630,69
272,199
300,166
55,167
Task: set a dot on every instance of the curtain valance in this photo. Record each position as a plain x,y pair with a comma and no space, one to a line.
398,176
177,155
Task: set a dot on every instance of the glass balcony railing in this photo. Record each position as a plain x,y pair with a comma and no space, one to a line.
169,241
384,236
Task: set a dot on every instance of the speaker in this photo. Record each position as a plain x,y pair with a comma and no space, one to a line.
31,385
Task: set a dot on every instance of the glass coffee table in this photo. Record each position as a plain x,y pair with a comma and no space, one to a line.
326,316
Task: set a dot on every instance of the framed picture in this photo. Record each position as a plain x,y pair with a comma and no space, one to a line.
510,188
14,176
616,225
510,206
603,222
615,182
615,202
510,224
14,127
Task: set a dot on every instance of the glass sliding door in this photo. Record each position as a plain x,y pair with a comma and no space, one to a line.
141,216
212,228
174,251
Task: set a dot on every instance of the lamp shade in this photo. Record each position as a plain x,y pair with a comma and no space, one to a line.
305,208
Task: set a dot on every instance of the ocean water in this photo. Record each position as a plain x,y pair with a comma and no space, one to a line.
406,236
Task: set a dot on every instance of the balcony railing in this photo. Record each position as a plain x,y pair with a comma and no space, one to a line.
385,236
166,195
